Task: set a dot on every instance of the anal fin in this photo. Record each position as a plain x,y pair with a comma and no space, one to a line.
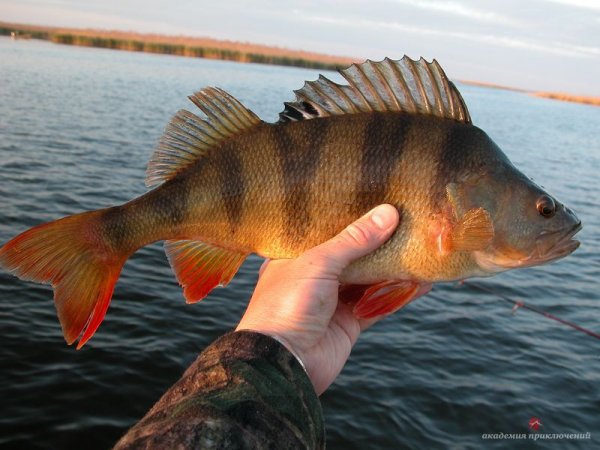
382,298
201,267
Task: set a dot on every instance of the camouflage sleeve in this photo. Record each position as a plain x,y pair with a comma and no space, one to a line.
246,390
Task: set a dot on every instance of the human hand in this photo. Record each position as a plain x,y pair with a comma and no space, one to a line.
296,300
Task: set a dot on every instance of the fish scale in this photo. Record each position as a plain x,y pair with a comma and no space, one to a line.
229,184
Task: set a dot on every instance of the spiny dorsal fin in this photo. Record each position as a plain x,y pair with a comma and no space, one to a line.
414,87
188,137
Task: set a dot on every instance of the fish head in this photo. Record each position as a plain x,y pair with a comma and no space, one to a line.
530,226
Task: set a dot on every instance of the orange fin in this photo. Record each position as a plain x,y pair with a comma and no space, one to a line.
70,255
386,297
474,231
201,267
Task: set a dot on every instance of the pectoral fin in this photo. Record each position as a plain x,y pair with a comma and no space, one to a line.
382,298
474,231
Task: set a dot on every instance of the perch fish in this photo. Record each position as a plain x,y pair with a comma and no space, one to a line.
228,184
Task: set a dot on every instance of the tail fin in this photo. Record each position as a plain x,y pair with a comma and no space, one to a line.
72,256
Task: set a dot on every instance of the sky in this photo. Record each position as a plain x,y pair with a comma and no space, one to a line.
551,45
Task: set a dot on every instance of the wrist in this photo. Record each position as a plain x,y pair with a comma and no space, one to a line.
284,342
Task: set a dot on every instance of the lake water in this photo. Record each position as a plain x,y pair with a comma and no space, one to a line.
77,127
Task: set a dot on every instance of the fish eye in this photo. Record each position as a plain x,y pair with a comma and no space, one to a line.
546,206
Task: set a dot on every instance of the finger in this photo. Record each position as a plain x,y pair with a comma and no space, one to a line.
358,239
263,267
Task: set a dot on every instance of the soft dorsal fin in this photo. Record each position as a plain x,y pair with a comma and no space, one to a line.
188,137
414,87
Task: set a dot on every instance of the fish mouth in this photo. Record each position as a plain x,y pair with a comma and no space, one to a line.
551,246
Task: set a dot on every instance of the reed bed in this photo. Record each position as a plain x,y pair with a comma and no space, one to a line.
180,46
594,101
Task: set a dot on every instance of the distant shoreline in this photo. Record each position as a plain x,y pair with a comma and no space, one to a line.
209,48
494,86
594,101
586,100
177,45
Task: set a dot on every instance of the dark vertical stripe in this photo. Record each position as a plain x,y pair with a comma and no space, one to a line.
167,205
232,184
299,146
116,228
172,204
148,216
461,151
384,140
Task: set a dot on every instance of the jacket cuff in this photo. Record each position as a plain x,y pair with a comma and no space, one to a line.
246,390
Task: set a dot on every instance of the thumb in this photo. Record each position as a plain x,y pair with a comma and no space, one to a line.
357,239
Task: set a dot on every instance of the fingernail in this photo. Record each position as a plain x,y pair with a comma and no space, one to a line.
380,218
